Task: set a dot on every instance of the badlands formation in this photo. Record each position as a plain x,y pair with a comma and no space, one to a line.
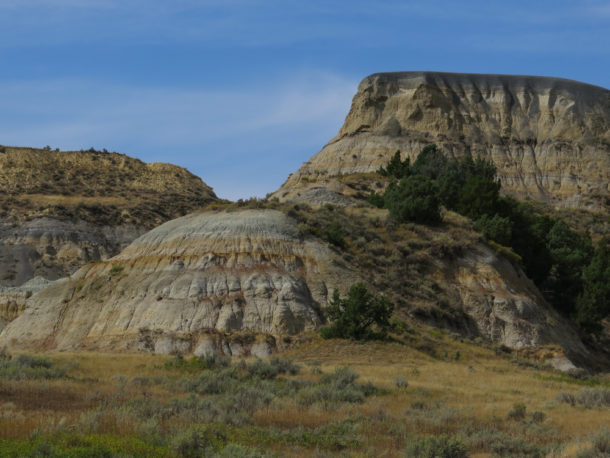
247,270
548,137
255,271
61,210
242,281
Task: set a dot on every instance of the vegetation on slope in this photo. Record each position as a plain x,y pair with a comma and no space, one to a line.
361,315
397,260
99,187
332,398
562,263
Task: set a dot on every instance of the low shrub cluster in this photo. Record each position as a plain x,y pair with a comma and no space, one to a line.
197,363
29,367
254,385
434,447
272,368
337,387
501,444
517,412
220,400
333,436
200,441
210,406
436,430
588,398
600,445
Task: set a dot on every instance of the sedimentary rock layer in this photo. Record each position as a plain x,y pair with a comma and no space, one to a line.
253,271
242,271
60,210
51,248
548,137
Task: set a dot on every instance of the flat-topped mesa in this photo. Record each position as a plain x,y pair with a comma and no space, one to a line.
548,137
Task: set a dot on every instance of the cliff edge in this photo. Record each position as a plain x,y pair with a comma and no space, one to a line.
548,137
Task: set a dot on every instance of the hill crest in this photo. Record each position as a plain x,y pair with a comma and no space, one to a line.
548,137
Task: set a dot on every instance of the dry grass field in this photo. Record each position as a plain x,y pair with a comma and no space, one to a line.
450,398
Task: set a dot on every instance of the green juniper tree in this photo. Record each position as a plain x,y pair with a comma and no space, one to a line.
414,199
554,256
593,304
355,316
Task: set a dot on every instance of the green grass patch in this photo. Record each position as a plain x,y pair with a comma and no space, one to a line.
589,381
116,269
74,445
29,367
335,436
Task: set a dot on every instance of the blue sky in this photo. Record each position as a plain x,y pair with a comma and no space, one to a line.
241,92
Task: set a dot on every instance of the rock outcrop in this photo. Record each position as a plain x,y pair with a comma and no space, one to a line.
236,282
52,248
505,306
13,299
247,270
60,210
239,282
548,137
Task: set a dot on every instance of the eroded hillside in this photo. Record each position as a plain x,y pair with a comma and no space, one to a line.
60,210
96,187
272,272
548,137
196,282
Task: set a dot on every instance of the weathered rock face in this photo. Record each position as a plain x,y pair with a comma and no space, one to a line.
198,283
61,210
13,299
52,248
548,137
504,305
248,270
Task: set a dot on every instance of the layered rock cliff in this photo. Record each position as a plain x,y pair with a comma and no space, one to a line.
256,271
247,270
548,137
186,284
61,210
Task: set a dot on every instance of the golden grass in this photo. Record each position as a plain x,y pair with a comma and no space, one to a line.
481,383
105,366
72,201
480,386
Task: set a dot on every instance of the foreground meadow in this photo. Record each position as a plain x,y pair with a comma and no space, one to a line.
439,397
